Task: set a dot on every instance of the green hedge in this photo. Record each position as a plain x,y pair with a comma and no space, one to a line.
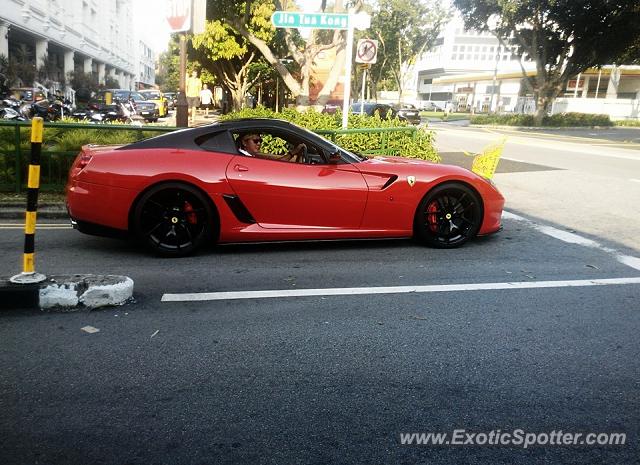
557,121
400,143
59,148
628,123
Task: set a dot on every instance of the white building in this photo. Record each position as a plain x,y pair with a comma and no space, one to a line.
87,36
478,74
462,52
145,70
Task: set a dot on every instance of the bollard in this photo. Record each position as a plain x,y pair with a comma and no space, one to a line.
29,274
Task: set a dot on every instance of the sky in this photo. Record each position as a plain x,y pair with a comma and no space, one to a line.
150,22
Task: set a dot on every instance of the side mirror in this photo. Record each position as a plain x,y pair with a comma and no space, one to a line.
334,158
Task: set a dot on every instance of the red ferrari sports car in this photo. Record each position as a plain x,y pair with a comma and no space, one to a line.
181,190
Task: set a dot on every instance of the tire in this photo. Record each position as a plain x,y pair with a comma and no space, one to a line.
173,219
449,215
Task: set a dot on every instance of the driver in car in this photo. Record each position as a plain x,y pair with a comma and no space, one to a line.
249,145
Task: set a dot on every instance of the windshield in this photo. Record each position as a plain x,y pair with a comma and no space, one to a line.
151,95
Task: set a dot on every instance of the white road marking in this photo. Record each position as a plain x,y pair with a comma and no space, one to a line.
572,238
269,294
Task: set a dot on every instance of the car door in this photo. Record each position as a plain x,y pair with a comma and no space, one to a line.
281,194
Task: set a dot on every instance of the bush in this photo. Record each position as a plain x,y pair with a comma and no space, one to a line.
503,120
397,143
628,123
59,147
559,120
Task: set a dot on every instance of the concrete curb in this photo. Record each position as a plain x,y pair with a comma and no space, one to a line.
67,292
49,211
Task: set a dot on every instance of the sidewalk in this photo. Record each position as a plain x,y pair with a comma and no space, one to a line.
15,210
200,119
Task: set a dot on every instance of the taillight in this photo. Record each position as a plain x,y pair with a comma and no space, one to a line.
81,161
84,160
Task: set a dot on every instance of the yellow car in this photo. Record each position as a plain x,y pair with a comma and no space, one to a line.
158,98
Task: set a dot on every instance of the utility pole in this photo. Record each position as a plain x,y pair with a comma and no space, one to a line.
182,109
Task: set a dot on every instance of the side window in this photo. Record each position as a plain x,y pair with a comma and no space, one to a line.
217,142
277,146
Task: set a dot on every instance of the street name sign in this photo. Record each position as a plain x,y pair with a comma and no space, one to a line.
348,21
296,20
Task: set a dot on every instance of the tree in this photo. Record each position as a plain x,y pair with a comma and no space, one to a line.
564,37
404,29
288,43
230,57
168,77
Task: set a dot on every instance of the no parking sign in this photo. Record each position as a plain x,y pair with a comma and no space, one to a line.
367,51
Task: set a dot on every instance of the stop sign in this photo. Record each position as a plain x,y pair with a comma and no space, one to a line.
179,15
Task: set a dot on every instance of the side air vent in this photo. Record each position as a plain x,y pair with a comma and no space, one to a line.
238,209
390,181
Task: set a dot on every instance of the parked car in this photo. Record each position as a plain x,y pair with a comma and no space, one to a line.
408,112
431,106
157,97
372,108
331,108
27,94
180,191
109,99
172,99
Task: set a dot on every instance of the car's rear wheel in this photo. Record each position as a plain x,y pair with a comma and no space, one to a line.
449,215
173,219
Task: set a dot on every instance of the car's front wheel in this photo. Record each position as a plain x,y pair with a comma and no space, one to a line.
173,219
449,215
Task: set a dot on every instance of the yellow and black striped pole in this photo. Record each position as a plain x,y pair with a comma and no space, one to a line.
29,274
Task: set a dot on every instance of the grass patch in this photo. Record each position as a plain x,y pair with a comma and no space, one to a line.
43,197
440,115
629,123
560,120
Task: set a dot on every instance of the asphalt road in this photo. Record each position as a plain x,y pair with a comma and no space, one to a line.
330,378
572,182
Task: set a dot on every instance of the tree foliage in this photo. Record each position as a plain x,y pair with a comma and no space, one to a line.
252,20
168,77
564,37
230,57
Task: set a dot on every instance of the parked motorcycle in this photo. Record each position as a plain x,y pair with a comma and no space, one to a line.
10,109
121,112
48,110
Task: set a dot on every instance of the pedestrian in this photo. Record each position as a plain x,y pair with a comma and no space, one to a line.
206,97
194,84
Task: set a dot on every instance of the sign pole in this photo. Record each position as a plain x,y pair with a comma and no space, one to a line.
347,76
350,21
182,110
364,80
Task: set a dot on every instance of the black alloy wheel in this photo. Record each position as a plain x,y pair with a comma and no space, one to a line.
173,219
449,215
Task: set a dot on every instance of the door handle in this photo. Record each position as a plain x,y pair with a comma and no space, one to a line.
240,168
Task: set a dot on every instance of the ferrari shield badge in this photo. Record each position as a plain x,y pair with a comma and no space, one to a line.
411,180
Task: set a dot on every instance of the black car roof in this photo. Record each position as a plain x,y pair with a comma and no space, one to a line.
185,138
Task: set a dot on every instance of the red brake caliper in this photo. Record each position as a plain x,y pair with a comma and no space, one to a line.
432,217
190,213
